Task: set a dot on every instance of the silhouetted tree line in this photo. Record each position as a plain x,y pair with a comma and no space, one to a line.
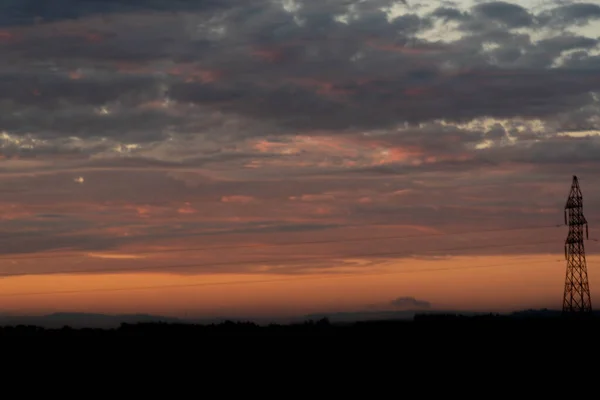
428,324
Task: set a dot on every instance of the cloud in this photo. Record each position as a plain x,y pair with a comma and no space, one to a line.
314,197
14,12
237,199
381,89
406,303
409,302
510,15
290,120
570,14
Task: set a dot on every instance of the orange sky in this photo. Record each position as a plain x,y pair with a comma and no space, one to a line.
487,283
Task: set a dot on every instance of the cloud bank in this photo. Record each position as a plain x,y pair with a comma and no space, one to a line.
130,124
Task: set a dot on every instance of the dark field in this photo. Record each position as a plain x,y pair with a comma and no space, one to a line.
422,325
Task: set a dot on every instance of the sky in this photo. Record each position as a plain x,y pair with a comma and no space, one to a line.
280,157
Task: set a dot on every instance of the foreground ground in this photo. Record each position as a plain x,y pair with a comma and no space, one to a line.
446,324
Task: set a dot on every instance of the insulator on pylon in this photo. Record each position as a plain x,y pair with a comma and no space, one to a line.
587,233
565,217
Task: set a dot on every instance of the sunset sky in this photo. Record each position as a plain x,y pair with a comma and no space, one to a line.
286,157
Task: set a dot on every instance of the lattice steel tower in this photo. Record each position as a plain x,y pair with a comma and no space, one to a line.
577,289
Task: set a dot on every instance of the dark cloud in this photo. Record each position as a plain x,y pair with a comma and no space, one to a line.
510,15
54,91
385,103
301,70
571,14
449,14
409,302
19,12
549,50
129,127
561,150
581,59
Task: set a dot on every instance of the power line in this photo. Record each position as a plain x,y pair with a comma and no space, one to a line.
265,261
247,282
189,249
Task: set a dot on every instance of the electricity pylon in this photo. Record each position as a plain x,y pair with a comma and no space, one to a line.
577,289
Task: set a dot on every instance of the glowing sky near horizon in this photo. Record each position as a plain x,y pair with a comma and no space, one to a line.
267,139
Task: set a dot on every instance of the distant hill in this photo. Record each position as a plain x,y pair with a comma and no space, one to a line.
543,313
83,320
426,327
348,317
104,321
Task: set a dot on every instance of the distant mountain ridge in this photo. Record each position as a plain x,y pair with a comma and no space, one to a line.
543,313
353,316
83,320
105,321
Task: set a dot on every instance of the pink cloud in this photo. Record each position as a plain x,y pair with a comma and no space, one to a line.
186,209
237,199
269,55
441,158
323,211
264,146
93,37
6,37
322,87
13,211
415,91
75,75
195,73
313,197
402,191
